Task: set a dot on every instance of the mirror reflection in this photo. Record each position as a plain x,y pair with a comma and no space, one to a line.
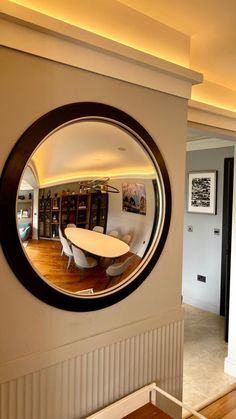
87,203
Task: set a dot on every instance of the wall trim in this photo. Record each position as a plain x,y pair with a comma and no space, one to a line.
213,117
32,32
208,143
89,381
36,361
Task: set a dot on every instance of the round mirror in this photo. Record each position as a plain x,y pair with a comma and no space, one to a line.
86,201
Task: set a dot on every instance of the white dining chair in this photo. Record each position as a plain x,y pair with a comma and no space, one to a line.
60,232
126,238
118,268
81,260
60,237
114,233
66,250
98,229
85,292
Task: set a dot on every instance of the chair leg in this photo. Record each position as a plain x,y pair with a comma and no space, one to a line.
69,261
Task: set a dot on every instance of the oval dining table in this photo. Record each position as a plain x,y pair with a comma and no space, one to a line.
96,243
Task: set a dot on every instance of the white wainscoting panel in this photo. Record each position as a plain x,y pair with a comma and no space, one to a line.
78,386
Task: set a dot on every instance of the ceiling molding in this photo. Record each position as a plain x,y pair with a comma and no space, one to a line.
32,32
208,143
201,113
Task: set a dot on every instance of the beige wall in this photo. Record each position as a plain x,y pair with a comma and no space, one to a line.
30,87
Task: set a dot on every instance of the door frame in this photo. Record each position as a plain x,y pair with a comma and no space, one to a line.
228,184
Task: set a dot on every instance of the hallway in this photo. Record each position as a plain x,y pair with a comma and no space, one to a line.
204,354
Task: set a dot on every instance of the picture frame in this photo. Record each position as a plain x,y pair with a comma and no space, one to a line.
134,198
202,192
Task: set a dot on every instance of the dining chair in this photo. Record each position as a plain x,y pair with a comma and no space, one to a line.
24,232
60,232
66,250
60,237
98,229
86,291
70,225
81,260
114,233
126,238
118,268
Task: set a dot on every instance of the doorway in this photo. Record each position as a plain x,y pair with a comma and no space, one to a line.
203,241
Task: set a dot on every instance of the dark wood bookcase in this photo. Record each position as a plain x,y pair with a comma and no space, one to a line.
45,217
85,210
98,210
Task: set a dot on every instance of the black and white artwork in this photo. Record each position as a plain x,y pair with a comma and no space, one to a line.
202,192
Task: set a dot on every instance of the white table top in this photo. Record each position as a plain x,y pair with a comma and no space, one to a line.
96,243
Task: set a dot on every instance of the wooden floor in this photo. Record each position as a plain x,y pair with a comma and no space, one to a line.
147,411
45,256
223,408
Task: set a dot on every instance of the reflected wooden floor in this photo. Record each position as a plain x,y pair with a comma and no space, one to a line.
45,256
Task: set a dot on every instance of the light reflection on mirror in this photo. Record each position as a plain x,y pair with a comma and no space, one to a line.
54,192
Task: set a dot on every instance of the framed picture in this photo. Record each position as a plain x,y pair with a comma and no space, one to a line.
134,198
202,192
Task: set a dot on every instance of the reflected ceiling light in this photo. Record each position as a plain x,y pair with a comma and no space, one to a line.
52,181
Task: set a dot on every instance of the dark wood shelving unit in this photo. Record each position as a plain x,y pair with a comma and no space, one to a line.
68,210
98,210
85,210
45,217
55,217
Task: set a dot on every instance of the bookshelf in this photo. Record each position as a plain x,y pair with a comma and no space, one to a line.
85,210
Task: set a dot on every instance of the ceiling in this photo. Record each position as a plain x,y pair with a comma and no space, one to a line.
96,149
211,27
198,34
88,150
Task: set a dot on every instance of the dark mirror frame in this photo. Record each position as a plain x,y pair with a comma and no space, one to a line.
9,184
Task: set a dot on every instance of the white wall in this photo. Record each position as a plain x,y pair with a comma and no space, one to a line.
202,249
137,225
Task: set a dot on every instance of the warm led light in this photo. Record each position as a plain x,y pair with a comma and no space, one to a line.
215,95
215,104
55,10
118,35
90,176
